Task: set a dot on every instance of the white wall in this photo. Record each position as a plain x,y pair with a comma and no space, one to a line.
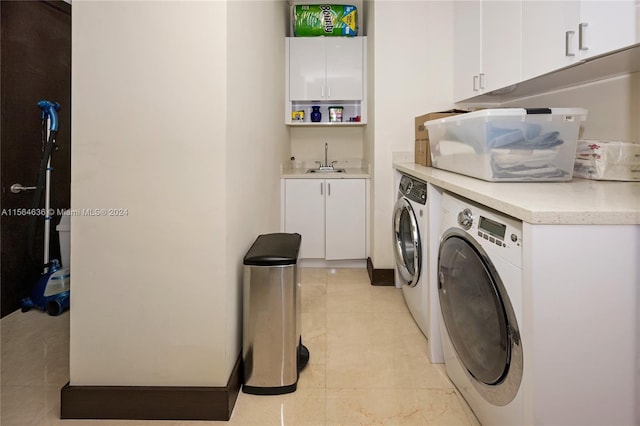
613,105
368,151
256,144
413,64
307,144
166,105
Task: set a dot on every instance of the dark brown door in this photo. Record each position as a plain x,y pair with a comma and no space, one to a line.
35,65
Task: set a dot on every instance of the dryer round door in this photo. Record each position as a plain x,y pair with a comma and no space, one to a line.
479,318
406,239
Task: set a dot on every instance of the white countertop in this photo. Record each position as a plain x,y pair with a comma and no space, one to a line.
579,201
350,173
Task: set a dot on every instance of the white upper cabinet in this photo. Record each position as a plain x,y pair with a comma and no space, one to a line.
344,68
606,26
326,71
467,49
545,26
557,34
501,43
325,68
498,45
307,68
487,46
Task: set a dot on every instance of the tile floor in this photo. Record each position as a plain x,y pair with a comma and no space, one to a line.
368,365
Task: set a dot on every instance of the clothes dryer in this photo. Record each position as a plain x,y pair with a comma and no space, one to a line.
480,293
415,239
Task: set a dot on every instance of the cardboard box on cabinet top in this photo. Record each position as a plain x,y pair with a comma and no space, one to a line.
422,152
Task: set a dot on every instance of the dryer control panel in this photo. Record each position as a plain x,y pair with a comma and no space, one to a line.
413,189
494,231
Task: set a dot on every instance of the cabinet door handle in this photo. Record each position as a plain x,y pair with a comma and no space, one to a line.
329,189
475,83
481,81
581,44
567,41
322,92
321,188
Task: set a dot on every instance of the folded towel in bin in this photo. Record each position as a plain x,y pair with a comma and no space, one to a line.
527,138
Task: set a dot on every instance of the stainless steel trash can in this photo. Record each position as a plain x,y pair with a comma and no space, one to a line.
272,349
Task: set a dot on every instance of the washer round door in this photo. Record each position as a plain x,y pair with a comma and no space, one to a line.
479,318
406,238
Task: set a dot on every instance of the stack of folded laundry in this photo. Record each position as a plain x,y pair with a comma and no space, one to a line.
524,152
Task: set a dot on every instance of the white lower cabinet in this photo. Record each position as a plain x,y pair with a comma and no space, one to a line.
330,214
304,214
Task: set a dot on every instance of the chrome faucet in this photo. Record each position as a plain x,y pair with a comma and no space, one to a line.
326,154
326,165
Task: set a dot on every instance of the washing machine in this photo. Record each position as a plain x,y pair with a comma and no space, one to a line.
415,240
480,294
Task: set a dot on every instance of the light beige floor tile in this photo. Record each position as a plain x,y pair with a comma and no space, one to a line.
387,299
395,407
314,336
359,349
35,349
303,407
347,276
368,365
29,405
373,407
314,297
313,275
379,350
345,297
443,407
314,376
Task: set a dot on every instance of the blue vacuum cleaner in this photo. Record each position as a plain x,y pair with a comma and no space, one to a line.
51,293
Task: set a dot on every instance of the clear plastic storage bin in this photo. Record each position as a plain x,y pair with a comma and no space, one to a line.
508,144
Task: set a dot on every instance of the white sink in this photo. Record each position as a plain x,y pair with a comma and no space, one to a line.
326,171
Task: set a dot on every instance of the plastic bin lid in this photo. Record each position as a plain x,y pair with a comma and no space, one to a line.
511,112
274,250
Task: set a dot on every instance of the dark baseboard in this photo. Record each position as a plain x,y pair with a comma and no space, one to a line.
152,402
380,276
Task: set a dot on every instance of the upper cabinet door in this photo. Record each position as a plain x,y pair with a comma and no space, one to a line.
487,46
549,30
557,34
325,68
605,26
467,44
307,68
344,68
501,44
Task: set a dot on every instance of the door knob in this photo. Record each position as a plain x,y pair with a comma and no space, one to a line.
17,188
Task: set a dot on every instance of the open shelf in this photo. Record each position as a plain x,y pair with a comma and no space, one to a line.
349,109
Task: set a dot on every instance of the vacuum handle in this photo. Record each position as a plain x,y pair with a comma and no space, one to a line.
49,110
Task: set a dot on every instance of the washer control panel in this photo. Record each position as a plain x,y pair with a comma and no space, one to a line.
494,231
413,189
